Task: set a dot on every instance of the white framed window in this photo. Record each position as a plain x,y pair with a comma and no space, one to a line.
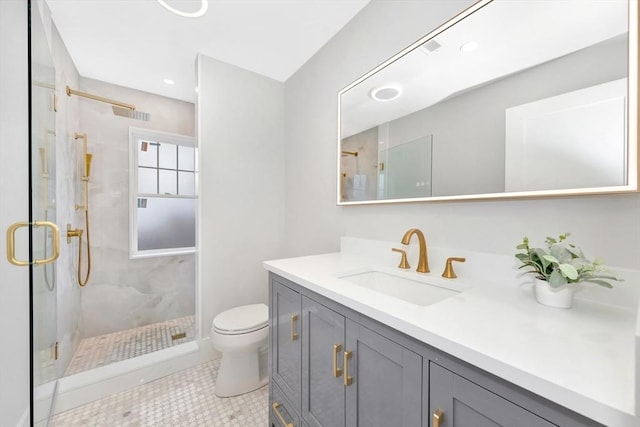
163,193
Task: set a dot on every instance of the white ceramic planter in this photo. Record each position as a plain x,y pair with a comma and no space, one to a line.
561,297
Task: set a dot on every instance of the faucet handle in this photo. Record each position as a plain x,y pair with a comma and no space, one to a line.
448,269
403,260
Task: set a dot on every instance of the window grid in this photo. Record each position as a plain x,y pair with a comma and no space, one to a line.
158,169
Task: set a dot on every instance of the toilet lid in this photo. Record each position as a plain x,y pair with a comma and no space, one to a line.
245,318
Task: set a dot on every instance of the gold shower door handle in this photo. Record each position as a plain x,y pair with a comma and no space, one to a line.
11,243
275,407
294,319
337,348
438,418
348,380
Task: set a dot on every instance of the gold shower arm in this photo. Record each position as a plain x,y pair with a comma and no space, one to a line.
100,98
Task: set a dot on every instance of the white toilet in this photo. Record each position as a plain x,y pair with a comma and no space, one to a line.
241,334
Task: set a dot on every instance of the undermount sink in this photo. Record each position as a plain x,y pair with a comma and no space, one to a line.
407,286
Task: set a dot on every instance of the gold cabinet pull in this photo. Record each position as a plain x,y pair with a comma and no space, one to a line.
438,418
347,379
294,319
337,348
275,407
11,243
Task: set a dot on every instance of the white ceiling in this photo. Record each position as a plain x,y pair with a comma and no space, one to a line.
138,43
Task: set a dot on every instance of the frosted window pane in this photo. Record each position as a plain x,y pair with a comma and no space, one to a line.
187,183
168,182
167,223
168,156
147,181
186,158
148,157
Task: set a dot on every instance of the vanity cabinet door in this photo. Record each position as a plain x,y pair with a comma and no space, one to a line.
386,381
462,403
286,349
323,391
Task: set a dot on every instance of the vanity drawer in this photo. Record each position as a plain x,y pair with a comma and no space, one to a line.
282,412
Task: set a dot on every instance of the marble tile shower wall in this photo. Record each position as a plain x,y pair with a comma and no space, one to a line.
124,293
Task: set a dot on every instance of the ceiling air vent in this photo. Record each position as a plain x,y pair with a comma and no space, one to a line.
430,47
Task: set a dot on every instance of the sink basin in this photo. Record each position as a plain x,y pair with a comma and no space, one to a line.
409,287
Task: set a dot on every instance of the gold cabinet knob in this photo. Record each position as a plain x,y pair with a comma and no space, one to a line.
448,269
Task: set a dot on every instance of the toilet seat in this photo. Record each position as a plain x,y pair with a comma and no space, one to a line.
242,320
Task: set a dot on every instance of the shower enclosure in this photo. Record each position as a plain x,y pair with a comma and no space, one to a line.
92,303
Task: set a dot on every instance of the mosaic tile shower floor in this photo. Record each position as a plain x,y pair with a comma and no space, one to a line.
105,349
185,398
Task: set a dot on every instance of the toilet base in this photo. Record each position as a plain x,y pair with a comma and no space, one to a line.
239,373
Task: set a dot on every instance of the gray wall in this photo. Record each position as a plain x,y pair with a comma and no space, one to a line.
607,226
14,285
242,205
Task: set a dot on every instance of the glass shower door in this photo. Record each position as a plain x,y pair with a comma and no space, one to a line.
44,235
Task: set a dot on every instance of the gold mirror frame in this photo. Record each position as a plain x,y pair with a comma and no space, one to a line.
633,156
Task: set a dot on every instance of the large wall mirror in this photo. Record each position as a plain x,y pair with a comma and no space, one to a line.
523,98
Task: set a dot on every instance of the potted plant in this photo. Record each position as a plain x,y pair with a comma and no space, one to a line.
558,267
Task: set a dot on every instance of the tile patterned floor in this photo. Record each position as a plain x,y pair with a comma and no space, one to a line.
184,399
104,349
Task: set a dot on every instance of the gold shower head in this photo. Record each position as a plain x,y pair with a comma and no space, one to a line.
87,164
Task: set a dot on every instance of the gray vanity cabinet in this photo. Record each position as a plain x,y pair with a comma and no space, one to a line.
334,367
353,376
455,401
286,346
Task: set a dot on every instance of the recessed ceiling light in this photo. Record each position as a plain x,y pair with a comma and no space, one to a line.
385,93
169,81
469,46
203,9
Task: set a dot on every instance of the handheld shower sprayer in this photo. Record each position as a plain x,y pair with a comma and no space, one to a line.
86,171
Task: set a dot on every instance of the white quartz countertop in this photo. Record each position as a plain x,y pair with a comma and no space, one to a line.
583,358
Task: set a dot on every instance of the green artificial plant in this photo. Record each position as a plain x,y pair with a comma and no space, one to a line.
561,263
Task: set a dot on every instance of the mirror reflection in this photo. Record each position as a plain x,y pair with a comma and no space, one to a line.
504,101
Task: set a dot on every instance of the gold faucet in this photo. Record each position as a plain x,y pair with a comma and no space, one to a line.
423,262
